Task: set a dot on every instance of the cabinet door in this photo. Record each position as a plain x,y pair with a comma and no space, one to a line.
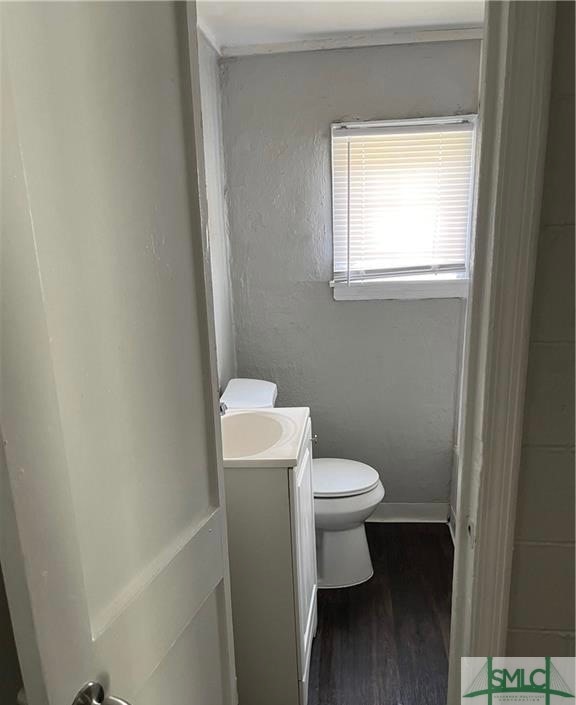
304,551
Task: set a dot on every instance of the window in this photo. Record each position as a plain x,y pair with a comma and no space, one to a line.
401,198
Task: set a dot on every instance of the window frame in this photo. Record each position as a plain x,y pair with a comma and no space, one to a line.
425,285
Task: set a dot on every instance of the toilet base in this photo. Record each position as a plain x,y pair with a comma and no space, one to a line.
343,557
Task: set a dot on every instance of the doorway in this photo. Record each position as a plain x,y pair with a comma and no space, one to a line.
518,36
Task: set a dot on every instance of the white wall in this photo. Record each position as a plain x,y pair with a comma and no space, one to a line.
217,217
379,376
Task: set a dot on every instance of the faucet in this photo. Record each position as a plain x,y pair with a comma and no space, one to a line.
223,408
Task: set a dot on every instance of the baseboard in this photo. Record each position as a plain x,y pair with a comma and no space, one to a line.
411,512
452,525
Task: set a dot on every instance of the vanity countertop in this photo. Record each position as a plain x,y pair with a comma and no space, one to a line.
261,438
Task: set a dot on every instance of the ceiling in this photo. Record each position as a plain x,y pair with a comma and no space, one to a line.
245,23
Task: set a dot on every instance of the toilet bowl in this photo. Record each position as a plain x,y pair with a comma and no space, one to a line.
346,493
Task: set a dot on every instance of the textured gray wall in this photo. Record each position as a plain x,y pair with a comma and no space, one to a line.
379,376
217,211
542,597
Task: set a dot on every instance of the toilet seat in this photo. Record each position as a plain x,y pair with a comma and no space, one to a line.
337,477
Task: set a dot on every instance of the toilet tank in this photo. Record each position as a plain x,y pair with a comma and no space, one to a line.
249,394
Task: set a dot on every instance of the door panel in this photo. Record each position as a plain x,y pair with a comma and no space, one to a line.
198,653
135,637
108,387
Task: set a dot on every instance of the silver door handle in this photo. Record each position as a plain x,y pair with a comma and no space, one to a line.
94,694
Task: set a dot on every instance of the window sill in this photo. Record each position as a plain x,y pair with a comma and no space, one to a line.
430,287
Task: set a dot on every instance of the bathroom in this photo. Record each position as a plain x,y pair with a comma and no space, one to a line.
380,374
275,398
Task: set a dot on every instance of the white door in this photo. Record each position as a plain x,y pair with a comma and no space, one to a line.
108,407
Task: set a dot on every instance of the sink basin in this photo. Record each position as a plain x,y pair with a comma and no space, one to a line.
249,434
268,438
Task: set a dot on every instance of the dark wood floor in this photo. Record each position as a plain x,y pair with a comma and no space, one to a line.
386,642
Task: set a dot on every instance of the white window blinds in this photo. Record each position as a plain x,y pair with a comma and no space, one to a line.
401,197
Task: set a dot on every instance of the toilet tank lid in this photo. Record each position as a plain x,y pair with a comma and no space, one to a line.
249,394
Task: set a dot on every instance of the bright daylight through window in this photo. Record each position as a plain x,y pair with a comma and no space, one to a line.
402,196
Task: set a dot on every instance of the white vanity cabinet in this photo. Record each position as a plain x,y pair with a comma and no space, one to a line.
273,573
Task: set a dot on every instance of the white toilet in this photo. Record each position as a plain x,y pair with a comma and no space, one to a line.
346,493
